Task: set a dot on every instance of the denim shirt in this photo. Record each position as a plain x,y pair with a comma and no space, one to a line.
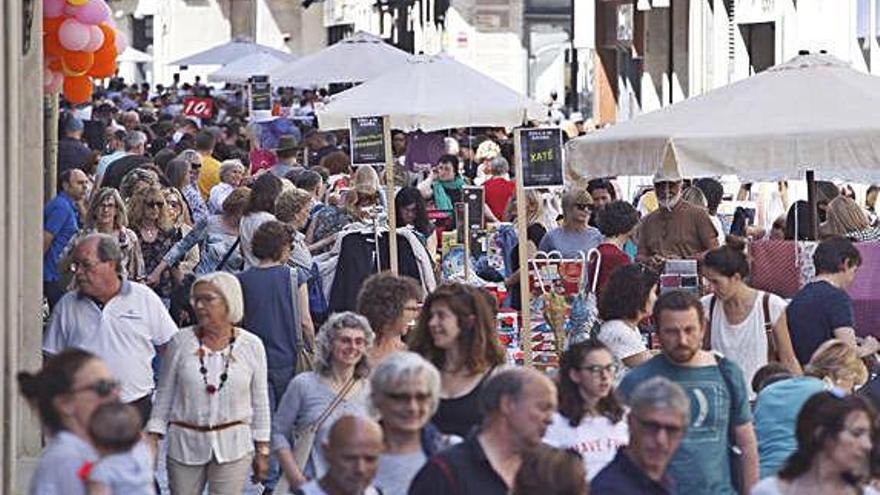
214,242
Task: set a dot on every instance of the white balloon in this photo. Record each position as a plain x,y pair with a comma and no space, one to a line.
96,39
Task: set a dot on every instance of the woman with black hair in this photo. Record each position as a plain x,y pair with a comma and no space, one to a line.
590,418
626,300
835,436
65,393
616,221
411,211
259,210
748,326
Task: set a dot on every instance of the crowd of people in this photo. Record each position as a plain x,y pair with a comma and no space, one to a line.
186,318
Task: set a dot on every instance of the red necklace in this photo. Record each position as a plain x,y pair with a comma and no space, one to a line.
212,389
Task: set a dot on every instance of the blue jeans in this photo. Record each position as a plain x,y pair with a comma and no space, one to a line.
278,380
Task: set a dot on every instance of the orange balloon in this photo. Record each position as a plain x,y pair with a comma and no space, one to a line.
51,45
51,24
77,62
109,35
78,89
105,62
55,64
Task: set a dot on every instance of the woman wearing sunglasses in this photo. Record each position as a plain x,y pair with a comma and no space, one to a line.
65,393
575,236
590,419
212,402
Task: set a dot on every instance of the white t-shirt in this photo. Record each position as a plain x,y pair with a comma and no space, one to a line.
770,486
623,340
719,228
246,230
745,343
313,488
596,439
124,333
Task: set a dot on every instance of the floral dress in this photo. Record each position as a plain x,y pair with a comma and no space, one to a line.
153,253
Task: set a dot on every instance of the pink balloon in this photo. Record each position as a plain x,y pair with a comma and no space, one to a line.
53,8
74,35
94,12
96,39
70,10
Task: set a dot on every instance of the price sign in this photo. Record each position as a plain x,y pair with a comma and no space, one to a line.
202,108
367,141
541,157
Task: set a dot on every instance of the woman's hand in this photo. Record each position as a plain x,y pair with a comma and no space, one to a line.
152,440
261,463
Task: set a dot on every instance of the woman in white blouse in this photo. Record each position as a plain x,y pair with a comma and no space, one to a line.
341,368
212,401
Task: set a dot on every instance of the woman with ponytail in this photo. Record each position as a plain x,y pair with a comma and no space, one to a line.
65,393
835,438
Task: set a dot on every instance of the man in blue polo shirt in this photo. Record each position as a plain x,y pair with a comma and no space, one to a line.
60,224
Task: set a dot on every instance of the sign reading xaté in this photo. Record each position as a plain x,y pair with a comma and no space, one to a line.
541,156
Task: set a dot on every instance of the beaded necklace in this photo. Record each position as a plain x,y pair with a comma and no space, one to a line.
212,389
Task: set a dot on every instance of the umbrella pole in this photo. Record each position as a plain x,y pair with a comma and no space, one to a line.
521,233
813,208
389,195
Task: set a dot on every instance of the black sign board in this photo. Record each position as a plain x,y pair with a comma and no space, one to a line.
367,141
261,93
541,155
473,196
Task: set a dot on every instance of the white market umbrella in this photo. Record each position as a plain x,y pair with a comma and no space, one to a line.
226,53
357,58
239,71
430,94
134,55
813,112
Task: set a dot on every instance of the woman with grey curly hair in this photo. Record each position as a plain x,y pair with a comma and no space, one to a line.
341,370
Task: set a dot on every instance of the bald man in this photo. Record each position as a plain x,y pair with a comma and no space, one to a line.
518,406
353,447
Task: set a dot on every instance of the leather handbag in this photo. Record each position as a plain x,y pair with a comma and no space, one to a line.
305,355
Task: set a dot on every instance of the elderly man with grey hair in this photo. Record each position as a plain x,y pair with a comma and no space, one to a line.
518,406
658,418
498,189
120,321
135,147
405,392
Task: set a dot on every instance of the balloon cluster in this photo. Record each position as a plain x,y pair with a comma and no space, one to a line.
80,42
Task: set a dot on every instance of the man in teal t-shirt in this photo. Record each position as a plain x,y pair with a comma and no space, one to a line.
718,395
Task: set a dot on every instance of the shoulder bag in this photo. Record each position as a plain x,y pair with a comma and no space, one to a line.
305,355
772,347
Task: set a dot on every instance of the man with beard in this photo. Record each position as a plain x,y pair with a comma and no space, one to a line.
677,229
720,414
518,406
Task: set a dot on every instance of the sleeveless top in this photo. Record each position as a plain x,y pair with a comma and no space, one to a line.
458,416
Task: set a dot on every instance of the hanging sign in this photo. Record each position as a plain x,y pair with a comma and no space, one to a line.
261,93
202,108
541,157
368,141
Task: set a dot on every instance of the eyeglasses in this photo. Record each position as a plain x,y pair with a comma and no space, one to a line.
402,397
83,265
653,427
102,388
584,207
355,341
597,368
204,298
155,204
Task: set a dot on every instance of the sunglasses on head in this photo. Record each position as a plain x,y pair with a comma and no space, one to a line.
102,388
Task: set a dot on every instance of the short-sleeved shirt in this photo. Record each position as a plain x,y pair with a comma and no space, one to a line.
58,470
701,465
813,315
129,473
623,341
623,477
396,471
571,243
744,343
462,469
595,438
683,232
776,412
124,333
209,175
60,218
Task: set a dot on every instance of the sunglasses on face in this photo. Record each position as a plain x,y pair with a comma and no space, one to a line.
195,165
584,207
102,388
155,204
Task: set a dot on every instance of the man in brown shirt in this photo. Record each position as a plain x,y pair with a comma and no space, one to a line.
677,229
